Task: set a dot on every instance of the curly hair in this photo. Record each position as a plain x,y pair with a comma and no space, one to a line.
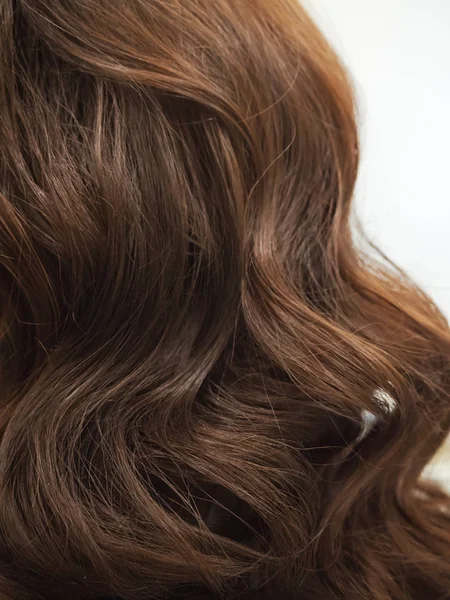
209,390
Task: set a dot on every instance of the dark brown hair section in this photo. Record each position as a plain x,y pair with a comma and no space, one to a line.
190,339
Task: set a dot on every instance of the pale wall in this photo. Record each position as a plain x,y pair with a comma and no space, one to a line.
399,54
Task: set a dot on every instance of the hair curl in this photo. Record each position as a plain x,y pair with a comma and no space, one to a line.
190,337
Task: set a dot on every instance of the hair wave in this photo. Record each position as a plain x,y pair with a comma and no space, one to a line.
207,389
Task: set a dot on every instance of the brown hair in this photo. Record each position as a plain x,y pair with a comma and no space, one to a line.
207,390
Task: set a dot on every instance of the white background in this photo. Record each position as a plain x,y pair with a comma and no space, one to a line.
398,52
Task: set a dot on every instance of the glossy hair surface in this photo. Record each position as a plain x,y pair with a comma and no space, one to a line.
190,337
